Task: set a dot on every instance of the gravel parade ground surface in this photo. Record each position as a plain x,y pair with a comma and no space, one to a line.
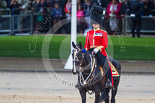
39,87
58,87
20,64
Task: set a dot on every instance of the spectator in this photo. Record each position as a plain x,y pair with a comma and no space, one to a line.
58,1
81,19
125,10
102,3
38,13
62,3
3,5
80,16
51,3
46,6
148,6
141,2
81,3
28,6
37,6
87,8
153,11
113,13
57,15
68,15
136,11
57,12
22,2
80,12
15,10
68,9
15,7
3,21
8,3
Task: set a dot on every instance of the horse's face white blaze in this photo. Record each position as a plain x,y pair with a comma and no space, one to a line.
75,51
74,67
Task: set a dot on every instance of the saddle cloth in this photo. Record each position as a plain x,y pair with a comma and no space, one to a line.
114,70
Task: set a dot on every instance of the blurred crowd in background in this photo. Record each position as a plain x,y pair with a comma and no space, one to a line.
61,9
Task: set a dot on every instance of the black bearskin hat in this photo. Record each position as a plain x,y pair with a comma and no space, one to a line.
97,14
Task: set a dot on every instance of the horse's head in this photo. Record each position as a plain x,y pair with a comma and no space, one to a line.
81,58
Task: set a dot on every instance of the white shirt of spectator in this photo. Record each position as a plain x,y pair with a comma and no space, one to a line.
132,15
113,7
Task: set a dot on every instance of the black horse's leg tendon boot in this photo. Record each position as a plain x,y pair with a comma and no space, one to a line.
103,61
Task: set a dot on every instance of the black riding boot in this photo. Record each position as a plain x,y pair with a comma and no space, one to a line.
103,61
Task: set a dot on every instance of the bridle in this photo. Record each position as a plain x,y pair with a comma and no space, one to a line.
80,69
75,58
89,64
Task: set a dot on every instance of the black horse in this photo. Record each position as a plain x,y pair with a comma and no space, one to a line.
91,76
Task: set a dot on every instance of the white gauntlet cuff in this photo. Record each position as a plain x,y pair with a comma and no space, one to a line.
95,50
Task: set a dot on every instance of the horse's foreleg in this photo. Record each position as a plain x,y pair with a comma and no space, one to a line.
83,95
107,100
97,97
105,95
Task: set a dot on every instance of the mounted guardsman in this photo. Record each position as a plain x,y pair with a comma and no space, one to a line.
97,40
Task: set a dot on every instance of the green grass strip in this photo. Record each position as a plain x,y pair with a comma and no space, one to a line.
58,47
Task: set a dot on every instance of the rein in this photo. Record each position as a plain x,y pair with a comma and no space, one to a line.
83,81
81,70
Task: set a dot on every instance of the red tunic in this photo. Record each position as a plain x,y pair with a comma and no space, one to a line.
97,38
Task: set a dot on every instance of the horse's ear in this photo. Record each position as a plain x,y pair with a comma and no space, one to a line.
80,45
73,44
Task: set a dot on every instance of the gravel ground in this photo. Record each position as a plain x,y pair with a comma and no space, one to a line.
36,87
39,64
